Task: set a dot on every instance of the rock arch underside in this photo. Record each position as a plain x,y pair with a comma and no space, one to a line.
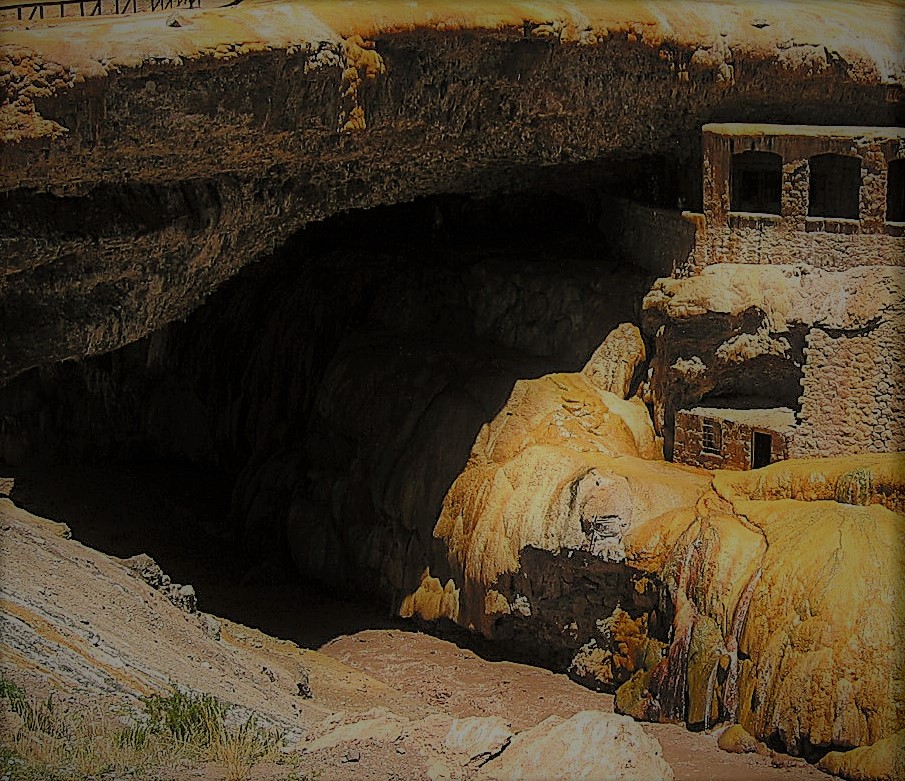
415,285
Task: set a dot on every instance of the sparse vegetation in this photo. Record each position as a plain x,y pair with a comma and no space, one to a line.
186,717
39,740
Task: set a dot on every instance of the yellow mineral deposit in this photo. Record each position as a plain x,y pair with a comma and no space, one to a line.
784,632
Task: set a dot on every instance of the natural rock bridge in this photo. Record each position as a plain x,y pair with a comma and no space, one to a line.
392,287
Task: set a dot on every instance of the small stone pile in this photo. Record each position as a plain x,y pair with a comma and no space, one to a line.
144,567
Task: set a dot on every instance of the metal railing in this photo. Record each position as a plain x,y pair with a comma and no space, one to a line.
162,5
36,10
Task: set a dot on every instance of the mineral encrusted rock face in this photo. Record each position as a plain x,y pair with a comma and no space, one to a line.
144,164
762,575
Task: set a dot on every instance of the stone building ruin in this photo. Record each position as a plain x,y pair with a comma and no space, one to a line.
719,438
806,197
829,197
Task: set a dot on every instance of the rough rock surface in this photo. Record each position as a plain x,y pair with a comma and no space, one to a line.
480,738
614,365
588,746
861,480
163,167
883,761
773,614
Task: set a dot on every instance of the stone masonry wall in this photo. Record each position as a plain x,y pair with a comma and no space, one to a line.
768,239
723,236
736,443
851,401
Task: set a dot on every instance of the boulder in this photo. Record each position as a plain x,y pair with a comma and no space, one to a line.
882,761
737,740
589,746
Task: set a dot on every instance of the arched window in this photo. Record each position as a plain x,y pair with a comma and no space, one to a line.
895,191
756,182
835,186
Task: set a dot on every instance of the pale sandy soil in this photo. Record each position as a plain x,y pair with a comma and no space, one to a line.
124,511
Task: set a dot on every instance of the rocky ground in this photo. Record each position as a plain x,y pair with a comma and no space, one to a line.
385,695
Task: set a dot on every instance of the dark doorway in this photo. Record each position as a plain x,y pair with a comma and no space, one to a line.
762,450
835,186
756,182
895,191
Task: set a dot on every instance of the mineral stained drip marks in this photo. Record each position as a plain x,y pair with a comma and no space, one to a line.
711,690
360,62
673,680
739,618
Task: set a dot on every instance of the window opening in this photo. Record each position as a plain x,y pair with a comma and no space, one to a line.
835,186
756,182
711,437
895,191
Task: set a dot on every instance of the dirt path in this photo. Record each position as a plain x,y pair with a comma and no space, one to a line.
460,682
124,511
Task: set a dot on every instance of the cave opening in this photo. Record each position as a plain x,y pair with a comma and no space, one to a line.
290,443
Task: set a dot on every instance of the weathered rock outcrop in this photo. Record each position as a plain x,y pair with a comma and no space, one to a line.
78,623
80,627
144,164
774,622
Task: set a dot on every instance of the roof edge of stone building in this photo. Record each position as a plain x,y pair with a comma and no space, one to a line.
778,419
747,130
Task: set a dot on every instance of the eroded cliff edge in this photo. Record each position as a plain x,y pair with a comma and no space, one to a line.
144,164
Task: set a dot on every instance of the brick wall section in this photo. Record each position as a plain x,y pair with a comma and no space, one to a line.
736,443
792,236
852,400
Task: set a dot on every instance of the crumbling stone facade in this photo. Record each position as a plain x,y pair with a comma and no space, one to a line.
804,208
717,438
